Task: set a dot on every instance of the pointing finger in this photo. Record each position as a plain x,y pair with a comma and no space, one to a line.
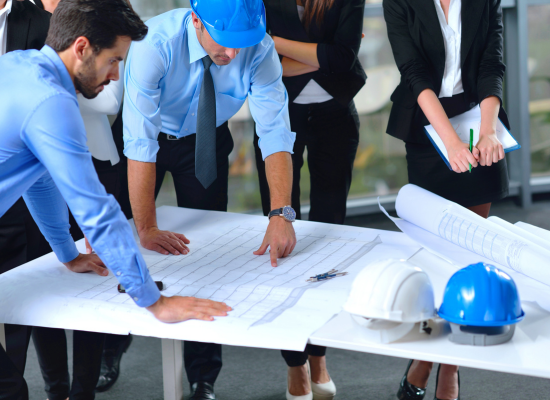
273,256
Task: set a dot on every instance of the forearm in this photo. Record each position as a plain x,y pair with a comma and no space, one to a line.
432,108
141,186
490,107
294,68
278,167
305,53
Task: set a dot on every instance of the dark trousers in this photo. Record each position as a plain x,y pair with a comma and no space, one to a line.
203,361
20,241
51,348
330,133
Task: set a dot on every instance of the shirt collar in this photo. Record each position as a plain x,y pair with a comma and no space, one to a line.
196,51
7,8
63,74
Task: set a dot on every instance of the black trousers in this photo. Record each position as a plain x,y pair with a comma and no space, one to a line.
203,361
20,241
330,132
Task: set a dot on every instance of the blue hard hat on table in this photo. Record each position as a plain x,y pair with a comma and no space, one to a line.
232,23
481,295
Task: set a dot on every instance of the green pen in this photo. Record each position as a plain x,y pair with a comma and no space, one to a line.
471,147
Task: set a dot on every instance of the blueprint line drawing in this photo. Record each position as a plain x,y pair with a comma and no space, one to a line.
272,307
224,269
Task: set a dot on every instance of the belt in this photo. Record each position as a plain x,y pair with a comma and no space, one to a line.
165,136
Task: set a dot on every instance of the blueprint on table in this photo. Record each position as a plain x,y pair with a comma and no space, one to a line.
272,307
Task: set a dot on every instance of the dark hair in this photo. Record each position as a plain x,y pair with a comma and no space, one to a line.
312,7
100,21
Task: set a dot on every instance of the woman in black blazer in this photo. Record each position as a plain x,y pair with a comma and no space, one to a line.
449,53
318,42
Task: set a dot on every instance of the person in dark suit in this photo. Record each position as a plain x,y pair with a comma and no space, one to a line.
450,56
318,42
23,27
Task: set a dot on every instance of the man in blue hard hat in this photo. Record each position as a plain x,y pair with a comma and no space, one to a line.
193,71
44,157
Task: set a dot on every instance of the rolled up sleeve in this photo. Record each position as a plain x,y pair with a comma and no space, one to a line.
145,68
268,102
56,135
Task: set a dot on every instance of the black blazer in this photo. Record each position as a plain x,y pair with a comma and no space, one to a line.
338,39
419,51
27,26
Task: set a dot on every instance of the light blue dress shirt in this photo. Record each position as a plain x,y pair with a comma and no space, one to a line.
163,81
44,157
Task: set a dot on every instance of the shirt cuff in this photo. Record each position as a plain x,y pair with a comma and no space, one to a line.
145,295
65,251
276,141
138,149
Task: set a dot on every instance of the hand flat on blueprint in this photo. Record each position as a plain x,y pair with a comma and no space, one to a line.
87,263
164,242
178,308
280,238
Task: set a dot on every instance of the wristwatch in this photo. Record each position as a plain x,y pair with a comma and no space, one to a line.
286,212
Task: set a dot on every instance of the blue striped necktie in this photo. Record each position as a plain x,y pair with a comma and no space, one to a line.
205,149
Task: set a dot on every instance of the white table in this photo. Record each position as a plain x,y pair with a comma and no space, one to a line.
525,354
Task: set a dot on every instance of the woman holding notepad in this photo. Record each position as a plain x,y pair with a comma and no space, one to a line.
449,53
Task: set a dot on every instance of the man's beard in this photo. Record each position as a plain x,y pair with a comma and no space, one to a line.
85,80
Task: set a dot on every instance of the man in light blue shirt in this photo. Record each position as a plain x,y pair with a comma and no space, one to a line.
193,72
43,152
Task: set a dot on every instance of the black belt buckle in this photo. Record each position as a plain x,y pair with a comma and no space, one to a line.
172,137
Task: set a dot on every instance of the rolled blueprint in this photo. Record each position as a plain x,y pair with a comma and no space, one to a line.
466,229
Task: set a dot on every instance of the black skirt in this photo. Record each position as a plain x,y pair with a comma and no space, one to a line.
427,169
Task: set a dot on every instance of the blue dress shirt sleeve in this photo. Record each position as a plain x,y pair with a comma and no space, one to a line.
50,212
145,68
268,102
55,134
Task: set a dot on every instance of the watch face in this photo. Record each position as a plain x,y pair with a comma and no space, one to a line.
289,213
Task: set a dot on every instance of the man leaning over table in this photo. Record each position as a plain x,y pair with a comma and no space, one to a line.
183,82
44,157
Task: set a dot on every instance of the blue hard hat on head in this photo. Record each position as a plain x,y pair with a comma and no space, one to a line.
232,23
481,295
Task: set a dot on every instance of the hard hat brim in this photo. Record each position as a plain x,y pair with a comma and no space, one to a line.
236,39
459,321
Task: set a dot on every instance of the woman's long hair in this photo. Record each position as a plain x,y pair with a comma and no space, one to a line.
315,7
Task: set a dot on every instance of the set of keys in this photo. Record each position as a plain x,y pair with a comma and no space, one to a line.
333,273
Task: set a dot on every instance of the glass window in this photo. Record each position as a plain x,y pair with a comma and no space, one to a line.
539,78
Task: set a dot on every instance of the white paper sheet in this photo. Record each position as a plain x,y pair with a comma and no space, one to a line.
466,229
526,235
273,307
543,234
422,215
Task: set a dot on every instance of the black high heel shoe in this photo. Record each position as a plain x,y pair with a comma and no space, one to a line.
437,381
408,391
